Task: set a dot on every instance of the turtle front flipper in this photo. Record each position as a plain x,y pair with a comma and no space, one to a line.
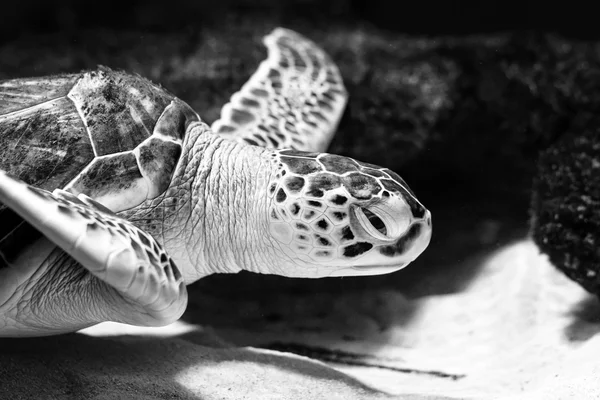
294,100
109,247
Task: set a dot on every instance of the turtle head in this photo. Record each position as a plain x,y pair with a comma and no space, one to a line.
334,216
287,212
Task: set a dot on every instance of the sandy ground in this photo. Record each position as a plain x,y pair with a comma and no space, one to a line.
517,330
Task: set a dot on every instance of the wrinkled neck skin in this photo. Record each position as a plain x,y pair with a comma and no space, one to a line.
211,219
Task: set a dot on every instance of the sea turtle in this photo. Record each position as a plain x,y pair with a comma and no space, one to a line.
147,198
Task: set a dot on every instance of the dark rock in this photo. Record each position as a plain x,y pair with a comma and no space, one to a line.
566,202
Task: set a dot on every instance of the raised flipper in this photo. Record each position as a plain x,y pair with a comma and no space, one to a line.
108,246
294,100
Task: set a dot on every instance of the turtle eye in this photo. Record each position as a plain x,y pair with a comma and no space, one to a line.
371,223
375,221
384,221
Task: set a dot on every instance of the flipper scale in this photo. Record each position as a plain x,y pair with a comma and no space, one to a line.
108,246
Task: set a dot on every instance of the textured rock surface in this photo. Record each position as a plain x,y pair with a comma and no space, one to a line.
566,205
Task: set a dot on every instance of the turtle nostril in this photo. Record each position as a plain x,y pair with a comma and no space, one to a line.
375,221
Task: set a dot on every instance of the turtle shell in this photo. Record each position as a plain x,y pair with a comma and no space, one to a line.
113,136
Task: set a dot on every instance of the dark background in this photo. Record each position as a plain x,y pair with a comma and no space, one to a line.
414,17
471,162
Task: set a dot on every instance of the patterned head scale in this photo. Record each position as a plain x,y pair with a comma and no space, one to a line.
352,217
